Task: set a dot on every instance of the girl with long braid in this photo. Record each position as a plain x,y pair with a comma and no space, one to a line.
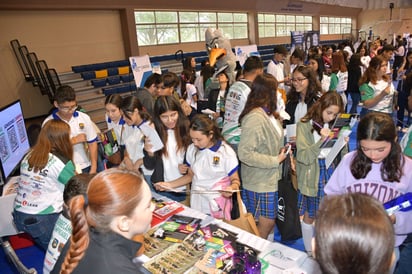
117,207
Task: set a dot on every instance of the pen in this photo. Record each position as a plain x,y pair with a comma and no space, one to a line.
316,124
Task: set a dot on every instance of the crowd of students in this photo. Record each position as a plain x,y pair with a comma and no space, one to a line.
240,145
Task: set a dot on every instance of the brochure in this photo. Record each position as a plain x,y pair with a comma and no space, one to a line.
153,136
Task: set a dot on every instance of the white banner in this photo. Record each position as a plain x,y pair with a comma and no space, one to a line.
141,67
243,52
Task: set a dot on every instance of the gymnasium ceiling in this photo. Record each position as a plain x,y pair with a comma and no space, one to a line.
365,4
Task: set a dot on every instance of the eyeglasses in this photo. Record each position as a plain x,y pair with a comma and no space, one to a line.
298,80
67,109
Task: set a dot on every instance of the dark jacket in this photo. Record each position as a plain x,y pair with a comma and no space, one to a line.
156,163
354,74
290,108
107,253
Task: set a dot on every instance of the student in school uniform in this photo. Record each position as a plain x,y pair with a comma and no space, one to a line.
83,135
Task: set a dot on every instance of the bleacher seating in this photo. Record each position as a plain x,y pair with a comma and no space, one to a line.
127,77
88,75
100,66
122,88
115,77
113,80
97,83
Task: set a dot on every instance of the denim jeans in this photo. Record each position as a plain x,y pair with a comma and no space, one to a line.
404,265
39,227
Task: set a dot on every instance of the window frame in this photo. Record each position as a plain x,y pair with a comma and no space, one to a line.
235,23
282,23
335,25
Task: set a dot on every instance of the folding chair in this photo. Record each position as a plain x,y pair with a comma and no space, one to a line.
7,228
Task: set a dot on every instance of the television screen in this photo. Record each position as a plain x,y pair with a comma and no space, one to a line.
14,143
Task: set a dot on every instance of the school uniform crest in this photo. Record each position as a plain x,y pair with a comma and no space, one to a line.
216,160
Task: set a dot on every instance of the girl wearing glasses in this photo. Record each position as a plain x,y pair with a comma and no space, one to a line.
306,89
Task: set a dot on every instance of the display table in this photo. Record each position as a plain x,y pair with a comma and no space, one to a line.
279,258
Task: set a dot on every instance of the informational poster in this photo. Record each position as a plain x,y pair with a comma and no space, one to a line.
142,69
243,52
296,38
311,39
304,40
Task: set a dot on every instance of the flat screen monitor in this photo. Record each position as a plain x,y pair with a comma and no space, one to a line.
14,143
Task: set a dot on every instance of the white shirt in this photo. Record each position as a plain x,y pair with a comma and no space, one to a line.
234,105
277,70
300,111
134,142
173,159
117,127
209,166
385,104
191,92
79,123
41,192
61,233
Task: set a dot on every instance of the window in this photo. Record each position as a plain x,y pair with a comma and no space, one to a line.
275,25
169,27
335,25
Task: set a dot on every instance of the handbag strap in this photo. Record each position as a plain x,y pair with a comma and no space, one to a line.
121,135
240,203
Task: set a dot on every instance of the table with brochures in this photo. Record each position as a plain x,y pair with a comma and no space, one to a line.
276,258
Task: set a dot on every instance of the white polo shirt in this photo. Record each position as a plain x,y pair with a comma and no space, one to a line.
79,123
209,166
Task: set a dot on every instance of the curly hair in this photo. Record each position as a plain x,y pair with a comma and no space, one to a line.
378,127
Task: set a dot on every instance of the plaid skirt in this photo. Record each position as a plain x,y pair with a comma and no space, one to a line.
263,204
311,204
